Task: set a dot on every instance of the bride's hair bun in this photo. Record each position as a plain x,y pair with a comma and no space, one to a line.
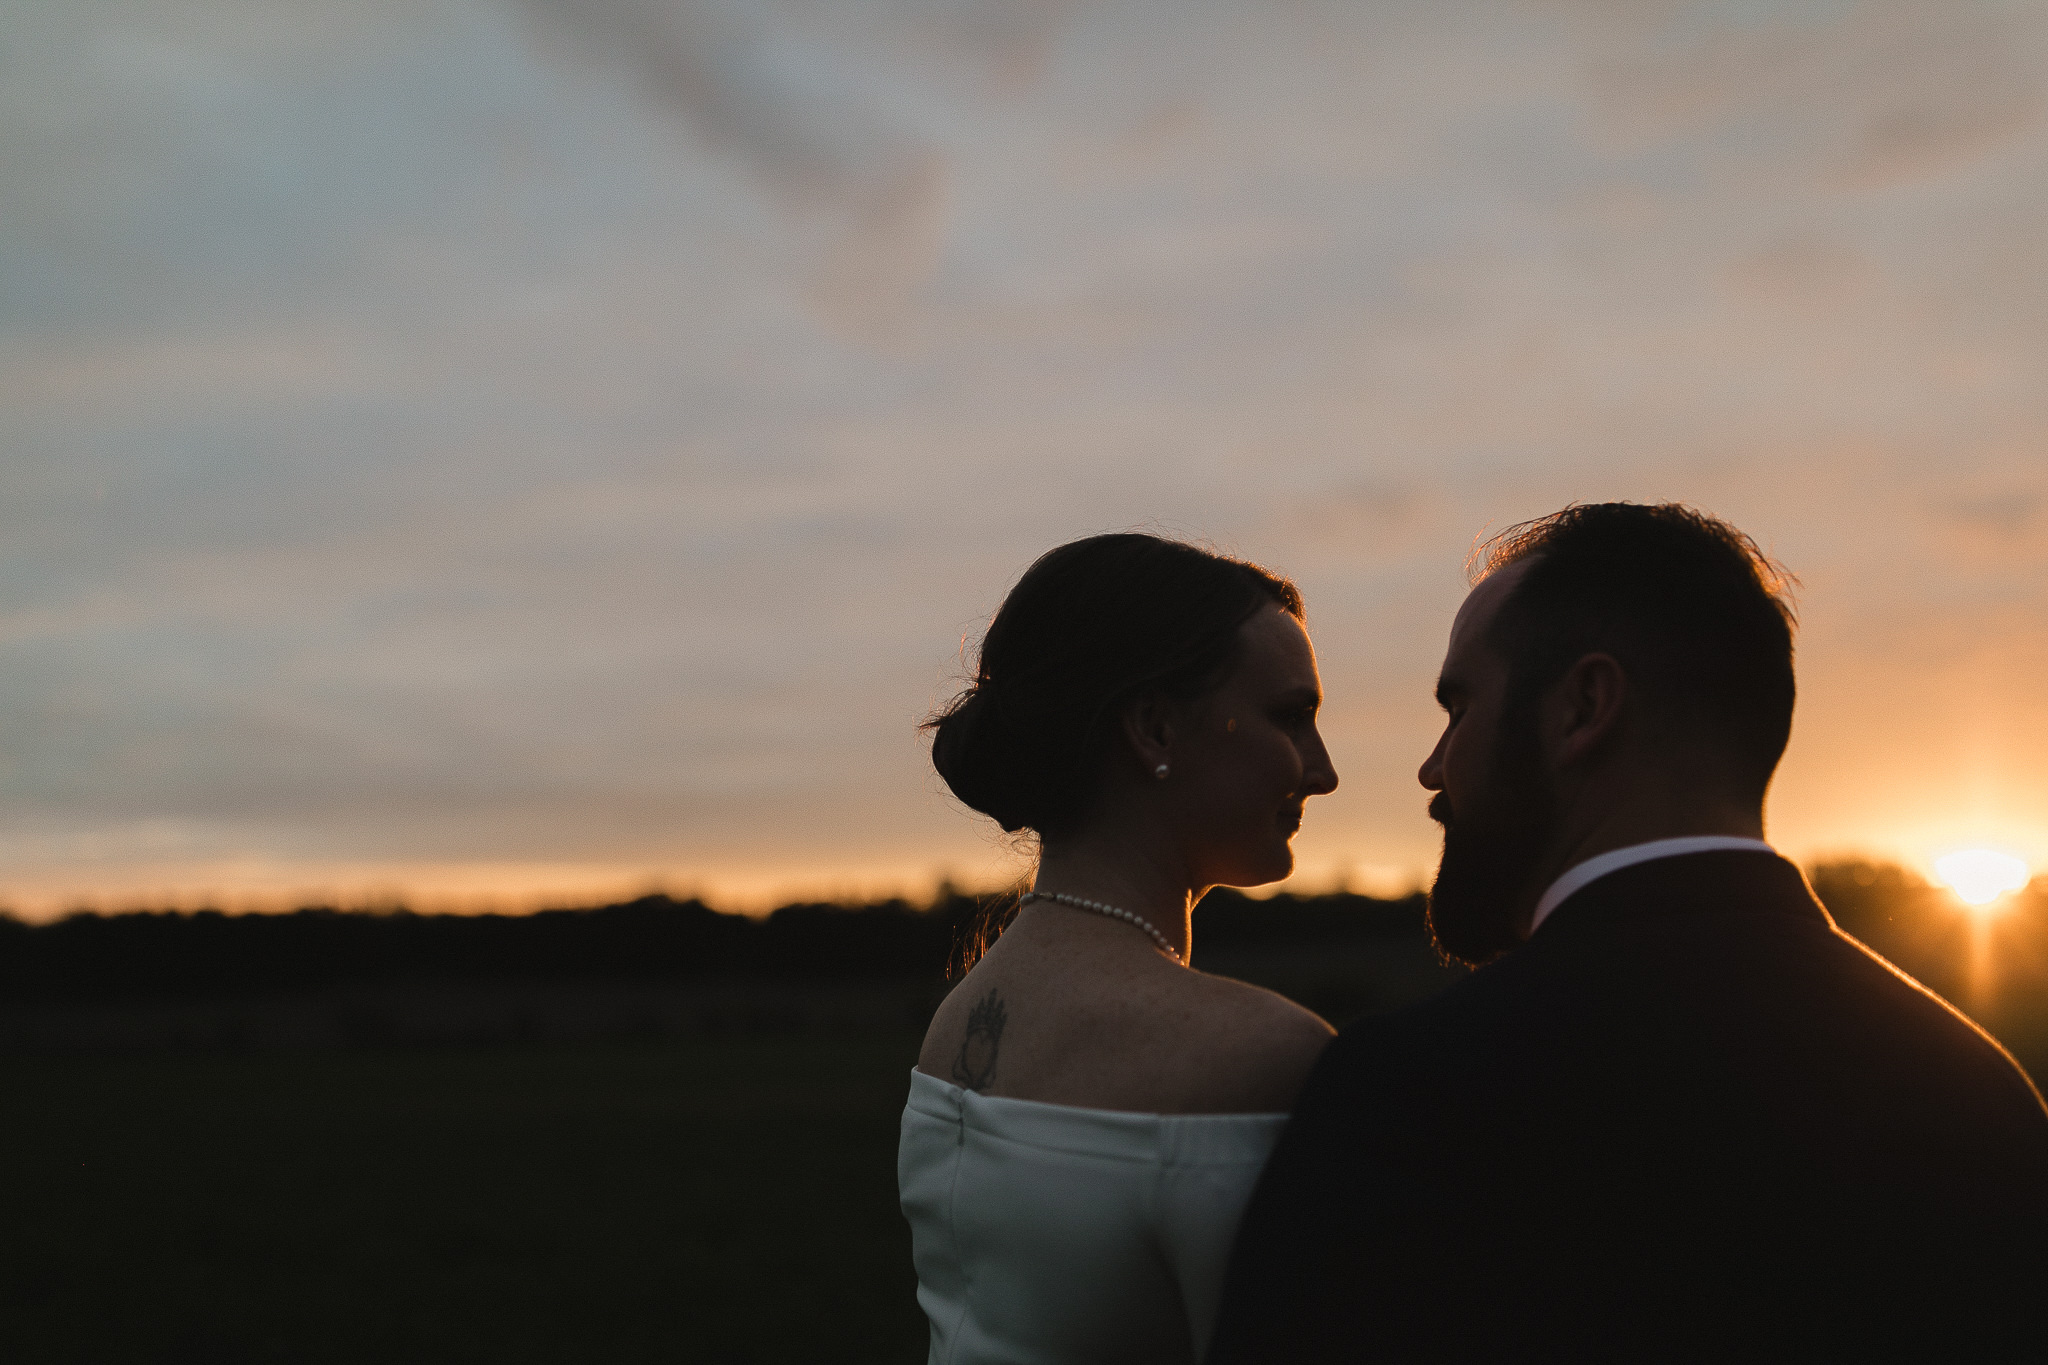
1088,627
972,751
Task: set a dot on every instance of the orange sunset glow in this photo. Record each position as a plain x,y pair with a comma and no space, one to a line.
580,476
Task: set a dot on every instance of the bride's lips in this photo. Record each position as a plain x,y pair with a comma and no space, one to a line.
1290,819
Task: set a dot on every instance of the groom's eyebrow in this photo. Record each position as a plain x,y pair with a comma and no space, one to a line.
1448,690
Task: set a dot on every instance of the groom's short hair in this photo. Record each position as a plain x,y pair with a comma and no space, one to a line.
1699,618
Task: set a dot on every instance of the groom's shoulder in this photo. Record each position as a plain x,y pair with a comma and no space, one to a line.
1646,992
1395,1076
1466,1015
1479,999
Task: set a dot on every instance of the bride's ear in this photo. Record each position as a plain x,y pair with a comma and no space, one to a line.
1148,722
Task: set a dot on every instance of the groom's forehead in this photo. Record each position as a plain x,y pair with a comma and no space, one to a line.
1481,607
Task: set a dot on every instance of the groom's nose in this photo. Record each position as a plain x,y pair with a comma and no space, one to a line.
1431,773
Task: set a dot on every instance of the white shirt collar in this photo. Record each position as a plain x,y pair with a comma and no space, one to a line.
1614,860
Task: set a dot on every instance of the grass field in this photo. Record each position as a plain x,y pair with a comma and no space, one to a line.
332,1179
728,1201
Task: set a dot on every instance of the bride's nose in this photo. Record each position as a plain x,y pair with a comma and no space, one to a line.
1318,773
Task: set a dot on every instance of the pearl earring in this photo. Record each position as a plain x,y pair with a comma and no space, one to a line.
1160,772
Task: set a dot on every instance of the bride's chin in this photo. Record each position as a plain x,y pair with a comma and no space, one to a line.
1260,871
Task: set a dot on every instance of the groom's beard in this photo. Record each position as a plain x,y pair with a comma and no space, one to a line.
1491,852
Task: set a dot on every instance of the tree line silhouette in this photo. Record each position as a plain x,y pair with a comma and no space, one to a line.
174,955
681,966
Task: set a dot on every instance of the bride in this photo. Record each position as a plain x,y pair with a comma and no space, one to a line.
1088,1115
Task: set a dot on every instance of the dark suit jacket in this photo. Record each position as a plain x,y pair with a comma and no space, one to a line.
1688,1119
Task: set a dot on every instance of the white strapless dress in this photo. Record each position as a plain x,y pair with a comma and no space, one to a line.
1049,1235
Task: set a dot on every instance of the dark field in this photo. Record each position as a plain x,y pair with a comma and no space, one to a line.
728,1201
344,1139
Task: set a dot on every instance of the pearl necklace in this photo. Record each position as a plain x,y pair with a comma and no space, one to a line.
1102,908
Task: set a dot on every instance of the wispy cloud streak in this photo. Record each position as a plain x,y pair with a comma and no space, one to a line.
570,442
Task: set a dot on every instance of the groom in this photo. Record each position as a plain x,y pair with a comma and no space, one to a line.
1678,1114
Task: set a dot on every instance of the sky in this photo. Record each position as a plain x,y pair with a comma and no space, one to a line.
484,453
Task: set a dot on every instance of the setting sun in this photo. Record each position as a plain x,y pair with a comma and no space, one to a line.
1981,875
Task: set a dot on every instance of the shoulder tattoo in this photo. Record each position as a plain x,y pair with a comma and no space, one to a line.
975,1067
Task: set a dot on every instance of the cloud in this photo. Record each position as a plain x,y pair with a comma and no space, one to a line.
890,248
1870,96
1371,518
2006,530
752,82
796,127
1805,271
580,436
1912,140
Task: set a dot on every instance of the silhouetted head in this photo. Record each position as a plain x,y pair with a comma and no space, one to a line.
1684,622
1112,646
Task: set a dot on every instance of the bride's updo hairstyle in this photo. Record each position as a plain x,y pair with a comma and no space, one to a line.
1088,627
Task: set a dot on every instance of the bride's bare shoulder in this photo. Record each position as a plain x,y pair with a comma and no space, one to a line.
1259,1044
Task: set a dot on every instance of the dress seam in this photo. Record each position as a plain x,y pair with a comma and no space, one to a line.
1156,1233
953,1232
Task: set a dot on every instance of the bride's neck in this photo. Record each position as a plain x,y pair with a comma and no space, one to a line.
1123,875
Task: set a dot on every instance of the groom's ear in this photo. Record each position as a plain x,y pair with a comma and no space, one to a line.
1586,708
